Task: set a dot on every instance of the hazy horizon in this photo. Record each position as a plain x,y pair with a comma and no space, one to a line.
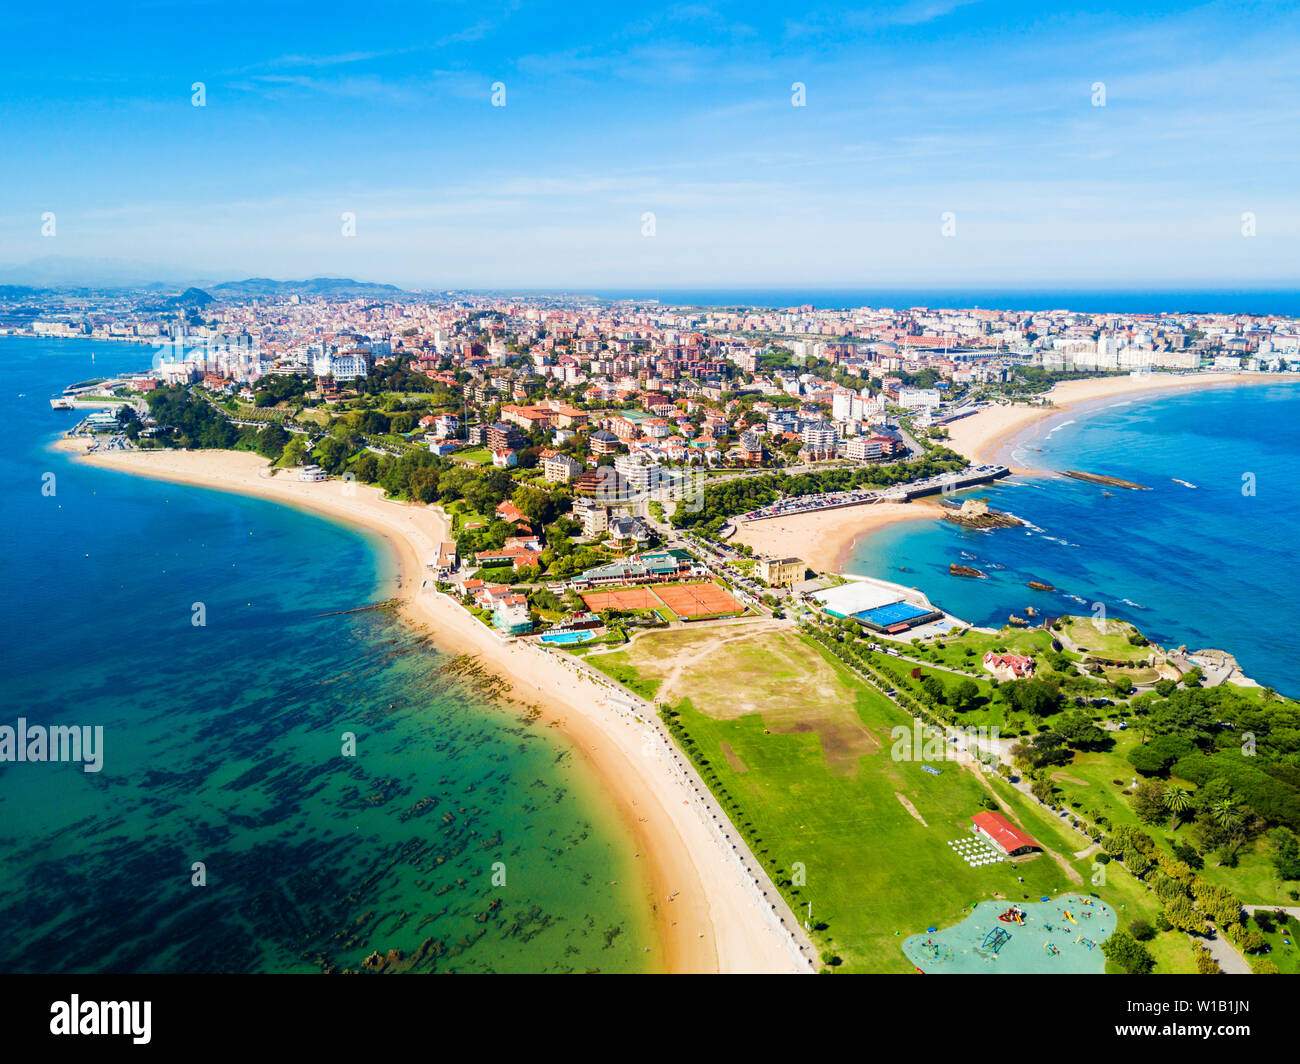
73,274
923,143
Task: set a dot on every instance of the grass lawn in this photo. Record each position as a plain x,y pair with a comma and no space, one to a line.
800,753
1106,639
473,456
986,711
1135,674
1089,781
1254,880
314,415
615,665
1286,957
952,650
460,509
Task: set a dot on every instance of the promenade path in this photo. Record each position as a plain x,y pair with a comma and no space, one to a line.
1290,910
1230,961
781,918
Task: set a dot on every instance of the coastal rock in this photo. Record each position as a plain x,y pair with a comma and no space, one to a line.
964,570
1038,585
976,513
391,961
1113,482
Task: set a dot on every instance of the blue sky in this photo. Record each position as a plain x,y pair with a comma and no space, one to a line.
913,109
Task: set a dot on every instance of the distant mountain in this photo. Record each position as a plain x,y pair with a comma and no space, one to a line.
84,275
19,291
316,287
62,271
191,297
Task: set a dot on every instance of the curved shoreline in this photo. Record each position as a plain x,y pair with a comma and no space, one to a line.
826,540
994,434
704,917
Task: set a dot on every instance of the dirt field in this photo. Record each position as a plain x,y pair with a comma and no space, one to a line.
761,668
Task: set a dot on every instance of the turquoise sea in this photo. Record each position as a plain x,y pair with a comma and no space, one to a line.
223,744
1207,566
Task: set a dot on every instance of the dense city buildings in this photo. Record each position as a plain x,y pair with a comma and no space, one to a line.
670,385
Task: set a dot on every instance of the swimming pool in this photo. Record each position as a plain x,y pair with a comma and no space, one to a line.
567,638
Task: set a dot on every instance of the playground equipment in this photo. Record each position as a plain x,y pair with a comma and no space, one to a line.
935,952
1014,915
995,940
1069,916
1053,950
1086,942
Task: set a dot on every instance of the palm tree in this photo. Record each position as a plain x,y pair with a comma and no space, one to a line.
1177,800
1226,814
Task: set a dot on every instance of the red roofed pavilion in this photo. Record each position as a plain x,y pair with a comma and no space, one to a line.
1003,834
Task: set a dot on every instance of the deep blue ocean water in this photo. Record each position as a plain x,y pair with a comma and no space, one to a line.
223,743
1207,566
1284,301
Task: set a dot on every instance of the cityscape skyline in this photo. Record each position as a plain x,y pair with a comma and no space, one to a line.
712,146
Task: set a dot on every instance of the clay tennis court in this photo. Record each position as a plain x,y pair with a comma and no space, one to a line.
697,600
628,598
686,601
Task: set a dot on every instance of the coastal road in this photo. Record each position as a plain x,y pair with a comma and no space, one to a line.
909,442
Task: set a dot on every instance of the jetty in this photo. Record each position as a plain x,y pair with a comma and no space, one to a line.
1110,482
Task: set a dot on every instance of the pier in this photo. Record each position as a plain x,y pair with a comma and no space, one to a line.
944,483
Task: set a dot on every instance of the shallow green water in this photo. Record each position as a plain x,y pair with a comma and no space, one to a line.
224,746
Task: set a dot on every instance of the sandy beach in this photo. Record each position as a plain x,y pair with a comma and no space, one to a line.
994,433
826,539
706,916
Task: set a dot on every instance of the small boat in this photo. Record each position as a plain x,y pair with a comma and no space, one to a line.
1184,483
